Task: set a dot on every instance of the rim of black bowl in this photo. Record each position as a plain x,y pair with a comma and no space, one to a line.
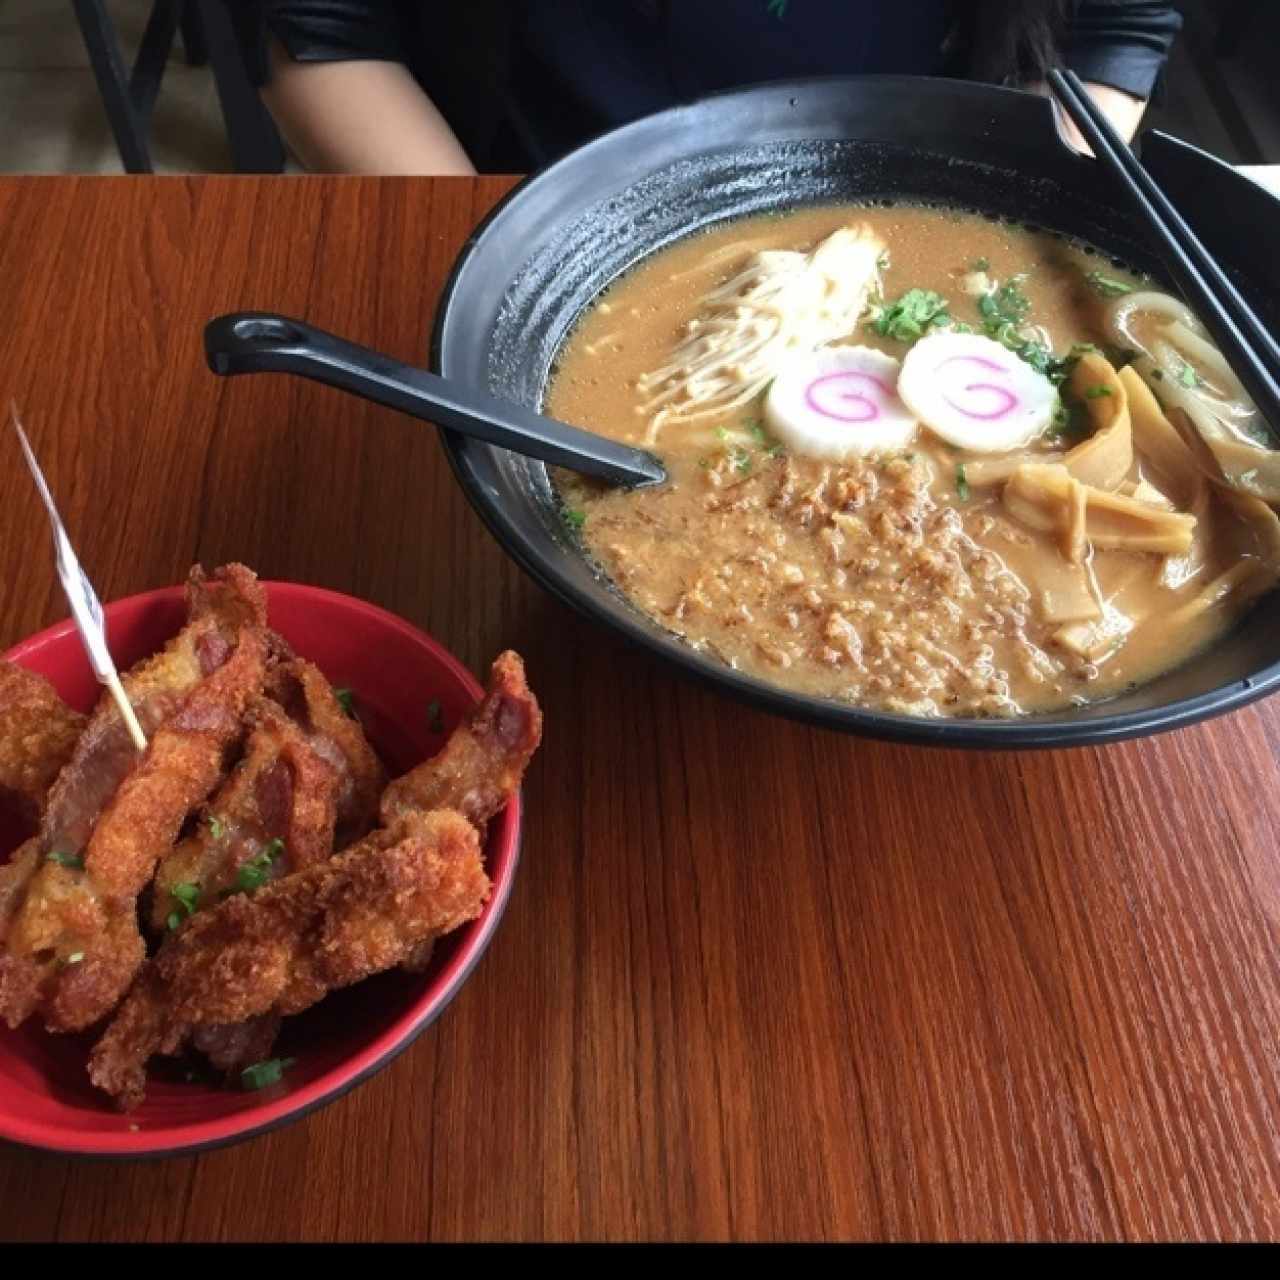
1025,733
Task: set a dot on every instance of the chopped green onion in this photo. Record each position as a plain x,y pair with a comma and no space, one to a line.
913,313
575,518
962,484
980,264
216,829
347,700
1107,286
253,873
756,432
1093,393
1003,311
74,861
262,1074
187,896
1188,376
741,461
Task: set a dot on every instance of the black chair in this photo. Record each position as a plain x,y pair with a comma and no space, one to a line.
129,94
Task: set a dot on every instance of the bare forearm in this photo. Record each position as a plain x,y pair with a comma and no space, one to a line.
1123,110
360,117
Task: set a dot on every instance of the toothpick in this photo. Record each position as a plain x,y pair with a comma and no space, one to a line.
86,609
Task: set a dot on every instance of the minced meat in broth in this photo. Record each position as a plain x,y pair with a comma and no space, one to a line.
889,582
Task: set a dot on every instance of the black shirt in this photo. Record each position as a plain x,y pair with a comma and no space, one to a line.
523,82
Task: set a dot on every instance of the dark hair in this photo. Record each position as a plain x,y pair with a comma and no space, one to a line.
1012,41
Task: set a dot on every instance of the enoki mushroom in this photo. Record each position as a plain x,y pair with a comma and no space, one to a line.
782,302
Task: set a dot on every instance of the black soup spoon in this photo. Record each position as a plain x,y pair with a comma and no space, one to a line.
260,342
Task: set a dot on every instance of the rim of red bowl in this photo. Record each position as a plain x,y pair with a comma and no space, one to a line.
502,856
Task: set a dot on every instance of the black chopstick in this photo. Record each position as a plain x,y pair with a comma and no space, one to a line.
1249,348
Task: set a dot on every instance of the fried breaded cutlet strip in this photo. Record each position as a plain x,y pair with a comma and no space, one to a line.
309,700
104,753
156,687
275,814
283,949
38,733
480,767
69,942
482,764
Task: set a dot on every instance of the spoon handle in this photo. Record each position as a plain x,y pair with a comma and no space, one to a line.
260,342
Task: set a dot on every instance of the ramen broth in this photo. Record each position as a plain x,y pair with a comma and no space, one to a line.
895,580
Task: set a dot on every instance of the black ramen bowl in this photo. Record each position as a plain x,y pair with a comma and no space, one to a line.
559,238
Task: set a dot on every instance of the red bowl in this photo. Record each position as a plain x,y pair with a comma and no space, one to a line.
396,672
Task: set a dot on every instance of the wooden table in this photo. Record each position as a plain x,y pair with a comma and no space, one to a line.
755,980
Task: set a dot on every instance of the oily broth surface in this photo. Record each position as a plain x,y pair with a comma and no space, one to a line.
873,581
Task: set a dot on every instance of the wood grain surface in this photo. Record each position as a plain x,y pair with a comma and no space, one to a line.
756,981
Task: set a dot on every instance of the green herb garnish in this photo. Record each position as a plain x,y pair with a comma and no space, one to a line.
73,861
575,518
1107,286
1189,377
741,460
1007,304
1003,311
347,701
216,829
262,1074
756,431
187,896
913,313
254,873
883,260
435,721
1094,393
962,484
980,264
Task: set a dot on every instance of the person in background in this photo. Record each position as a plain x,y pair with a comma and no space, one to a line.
394,87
